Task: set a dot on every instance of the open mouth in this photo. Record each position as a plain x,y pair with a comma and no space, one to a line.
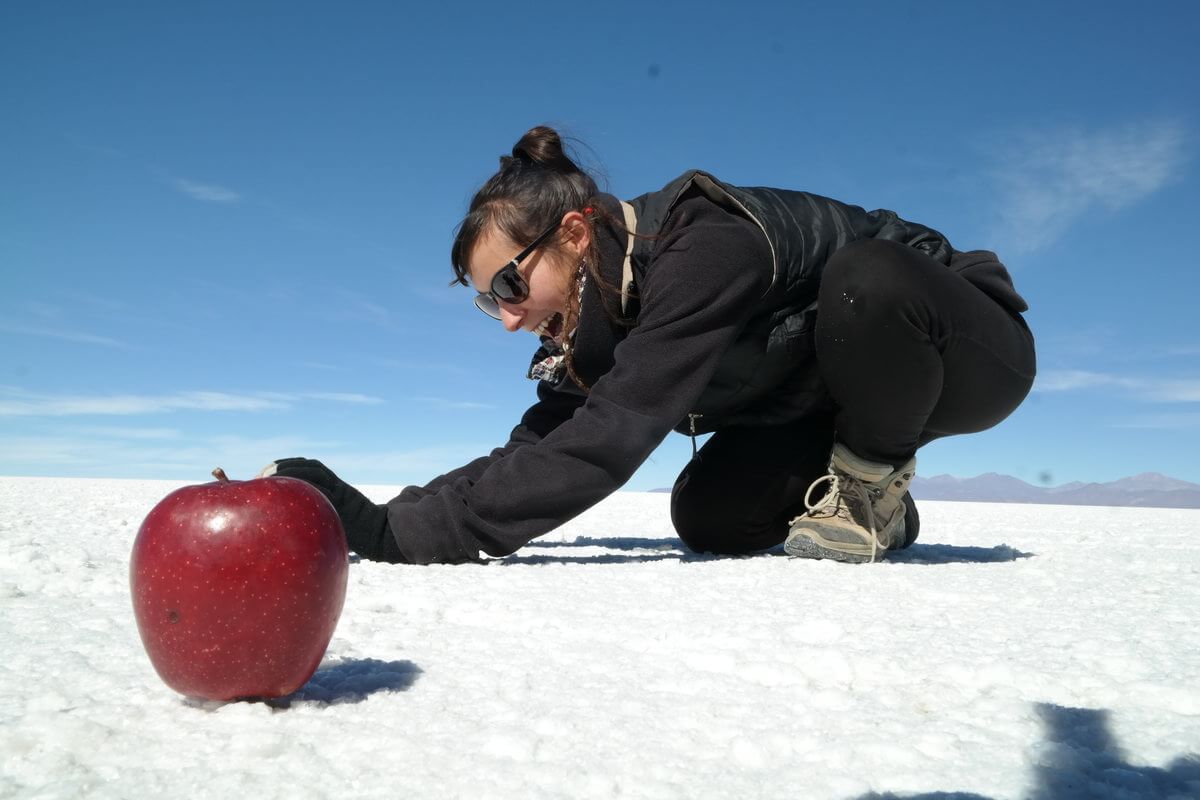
550,327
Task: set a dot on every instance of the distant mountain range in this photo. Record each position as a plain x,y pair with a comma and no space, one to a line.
1148,490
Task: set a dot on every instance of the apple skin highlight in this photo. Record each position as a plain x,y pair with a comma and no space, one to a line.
237,586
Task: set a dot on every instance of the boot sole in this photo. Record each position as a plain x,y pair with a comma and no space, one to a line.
807,544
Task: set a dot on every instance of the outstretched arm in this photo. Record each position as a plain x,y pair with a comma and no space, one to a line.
368,532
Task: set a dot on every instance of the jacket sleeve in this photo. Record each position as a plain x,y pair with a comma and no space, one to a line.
694,300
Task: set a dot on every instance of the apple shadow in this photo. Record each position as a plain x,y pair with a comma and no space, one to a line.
351,681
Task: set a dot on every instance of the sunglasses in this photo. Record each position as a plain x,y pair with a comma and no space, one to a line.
508,284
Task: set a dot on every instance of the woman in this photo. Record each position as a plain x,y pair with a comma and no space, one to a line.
821,344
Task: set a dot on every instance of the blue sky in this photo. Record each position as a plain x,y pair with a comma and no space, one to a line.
224,227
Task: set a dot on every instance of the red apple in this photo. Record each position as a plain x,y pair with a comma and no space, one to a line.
238,585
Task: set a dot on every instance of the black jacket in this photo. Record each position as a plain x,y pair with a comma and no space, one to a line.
720,333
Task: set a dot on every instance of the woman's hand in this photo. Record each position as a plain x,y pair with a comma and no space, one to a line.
365,523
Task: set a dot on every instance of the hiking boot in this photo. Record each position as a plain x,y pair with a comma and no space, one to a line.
861,515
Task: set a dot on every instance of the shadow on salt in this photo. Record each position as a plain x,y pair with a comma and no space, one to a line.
352,681
634,549
631,550
339,683
956,554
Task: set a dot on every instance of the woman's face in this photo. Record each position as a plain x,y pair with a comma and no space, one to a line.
548,271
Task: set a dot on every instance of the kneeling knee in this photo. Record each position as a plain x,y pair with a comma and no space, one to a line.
706,526
870,267
690,523
697,520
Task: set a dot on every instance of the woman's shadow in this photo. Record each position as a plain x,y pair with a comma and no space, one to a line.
634,549
629,549
919,553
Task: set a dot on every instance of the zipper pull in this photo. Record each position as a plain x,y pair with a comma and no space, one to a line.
692,429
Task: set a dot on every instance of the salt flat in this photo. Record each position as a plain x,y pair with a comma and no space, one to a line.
1015,651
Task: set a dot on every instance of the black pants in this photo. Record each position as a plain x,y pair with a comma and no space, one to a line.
910,352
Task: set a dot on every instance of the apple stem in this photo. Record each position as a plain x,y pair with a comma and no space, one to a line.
220,475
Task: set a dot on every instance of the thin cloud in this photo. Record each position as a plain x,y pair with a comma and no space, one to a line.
116,432
1073,380
107,305
1162,422
192,458
241,457
44,310
209,193
20,404
1177,392
91,147
344,397
356,307
455,405
1154,390
1050,181
17,403
21,453
417,366
63,335
331,397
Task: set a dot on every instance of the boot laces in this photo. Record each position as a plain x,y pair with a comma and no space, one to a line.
842,485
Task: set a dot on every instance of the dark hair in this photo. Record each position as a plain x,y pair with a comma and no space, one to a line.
534,187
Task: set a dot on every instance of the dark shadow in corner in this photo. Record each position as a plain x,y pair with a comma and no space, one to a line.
350,681
931,554
1079,758
1082,759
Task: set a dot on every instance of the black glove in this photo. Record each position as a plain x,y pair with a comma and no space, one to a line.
365,523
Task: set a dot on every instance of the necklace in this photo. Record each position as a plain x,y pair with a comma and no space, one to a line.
549,363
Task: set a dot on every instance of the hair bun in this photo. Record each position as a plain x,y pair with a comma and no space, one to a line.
543,146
